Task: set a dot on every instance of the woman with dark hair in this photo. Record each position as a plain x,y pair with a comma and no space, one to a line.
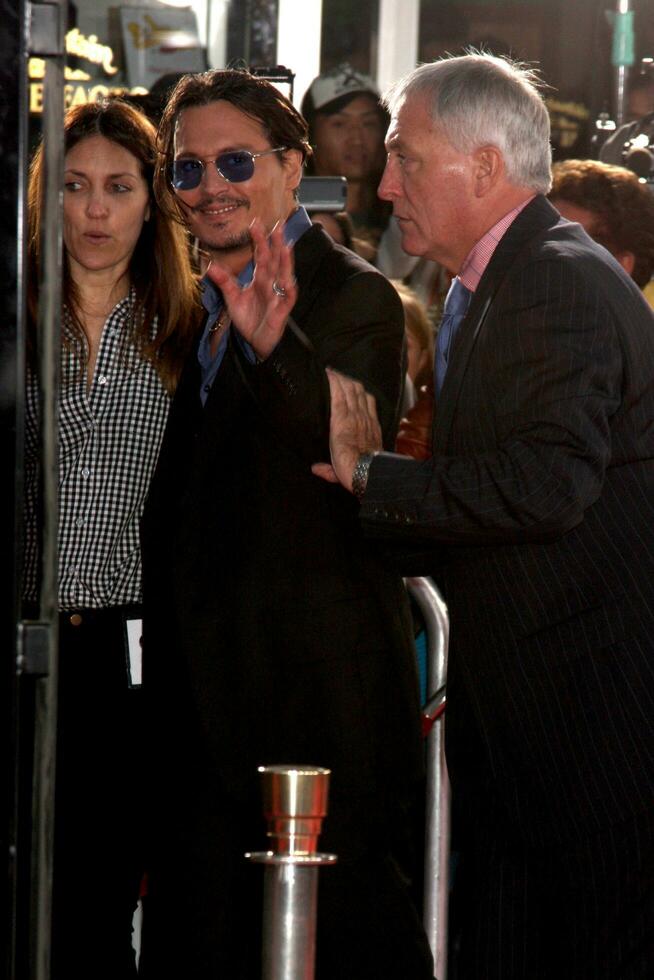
130,313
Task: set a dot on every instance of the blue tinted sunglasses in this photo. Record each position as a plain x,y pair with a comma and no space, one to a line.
235,167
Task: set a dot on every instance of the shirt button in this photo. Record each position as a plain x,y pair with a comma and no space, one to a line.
86,472
207,387
80,522
102,380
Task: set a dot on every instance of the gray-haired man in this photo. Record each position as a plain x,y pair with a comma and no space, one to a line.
535,514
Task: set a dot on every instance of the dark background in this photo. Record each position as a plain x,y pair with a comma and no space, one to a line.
569,39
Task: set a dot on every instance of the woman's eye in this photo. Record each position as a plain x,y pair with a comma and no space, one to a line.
120,188
72,185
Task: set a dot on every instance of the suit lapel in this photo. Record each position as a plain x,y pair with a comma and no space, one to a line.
307,254
536,216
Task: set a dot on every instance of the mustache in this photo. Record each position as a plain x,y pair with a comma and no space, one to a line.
220,201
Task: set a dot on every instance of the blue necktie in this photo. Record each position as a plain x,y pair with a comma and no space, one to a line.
456,306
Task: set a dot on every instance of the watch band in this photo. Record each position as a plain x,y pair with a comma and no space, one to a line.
360,474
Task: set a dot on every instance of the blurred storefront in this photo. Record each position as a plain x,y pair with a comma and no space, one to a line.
130,47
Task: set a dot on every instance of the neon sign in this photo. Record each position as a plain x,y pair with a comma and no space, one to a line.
87,49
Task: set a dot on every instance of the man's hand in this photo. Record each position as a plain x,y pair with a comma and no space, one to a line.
260,310
354,429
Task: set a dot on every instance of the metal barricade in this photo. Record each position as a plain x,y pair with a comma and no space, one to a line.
295,803
437,815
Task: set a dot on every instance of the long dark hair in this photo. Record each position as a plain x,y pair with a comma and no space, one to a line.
160,270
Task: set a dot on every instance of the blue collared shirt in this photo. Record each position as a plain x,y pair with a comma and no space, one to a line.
212,300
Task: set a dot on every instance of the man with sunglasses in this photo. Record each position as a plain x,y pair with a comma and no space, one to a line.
272,632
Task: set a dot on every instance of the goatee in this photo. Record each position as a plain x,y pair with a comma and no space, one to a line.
233,243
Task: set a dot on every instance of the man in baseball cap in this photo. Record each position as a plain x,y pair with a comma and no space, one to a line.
347,125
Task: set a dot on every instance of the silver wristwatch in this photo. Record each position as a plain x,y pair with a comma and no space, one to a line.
360,474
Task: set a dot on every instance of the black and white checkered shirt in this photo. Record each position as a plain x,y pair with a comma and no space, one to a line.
109,439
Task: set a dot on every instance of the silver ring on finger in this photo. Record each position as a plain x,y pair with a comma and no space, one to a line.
277,289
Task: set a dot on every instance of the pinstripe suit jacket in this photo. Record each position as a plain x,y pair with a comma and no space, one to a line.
536,514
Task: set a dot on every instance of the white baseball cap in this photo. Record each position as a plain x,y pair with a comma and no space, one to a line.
334,84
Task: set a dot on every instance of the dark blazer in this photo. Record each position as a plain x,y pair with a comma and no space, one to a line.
536,516
272,631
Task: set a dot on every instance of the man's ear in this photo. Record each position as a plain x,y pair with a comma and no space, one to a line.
293,164
627,260
489,169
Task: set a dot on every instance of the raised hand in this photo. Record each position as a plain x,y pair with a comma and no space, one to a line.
353,429
259,311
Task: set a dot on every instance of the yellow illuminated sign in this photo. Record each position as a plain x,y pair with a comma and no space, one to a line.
36,69
78,94
88,49
81,46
